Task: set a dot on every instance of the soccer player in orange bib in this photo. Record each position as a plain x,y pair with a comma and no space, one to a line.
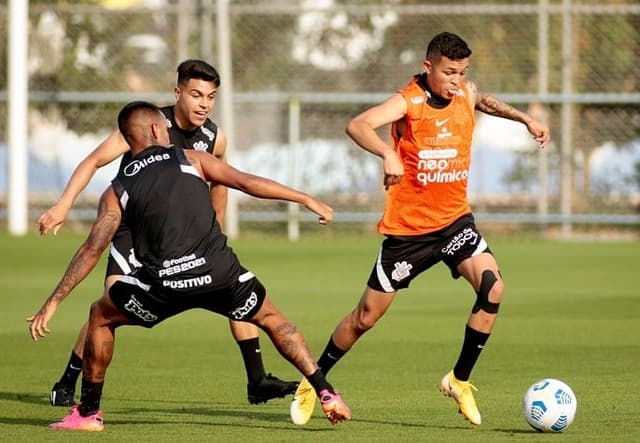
427,217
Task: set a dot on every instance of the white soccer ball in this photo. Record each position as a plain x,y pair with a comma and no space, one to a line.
549,405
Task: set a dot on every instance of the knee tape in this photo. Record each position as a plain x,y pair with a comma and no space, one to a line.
482,300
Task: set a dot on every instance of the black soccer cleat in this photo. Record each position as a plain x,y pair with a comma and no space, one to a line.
62,395
268,388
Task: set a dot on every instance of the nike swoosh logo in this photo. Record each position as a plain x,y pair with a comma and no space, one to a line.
441,122
75,368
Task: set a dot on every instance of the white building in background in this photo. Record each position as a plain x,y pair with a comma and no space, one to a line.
614,168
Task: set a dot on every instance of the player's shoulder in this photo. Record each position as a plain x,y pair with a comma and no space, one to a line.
209,129
210,124
470,90
170,116
410,98
414,92
415,85
471,87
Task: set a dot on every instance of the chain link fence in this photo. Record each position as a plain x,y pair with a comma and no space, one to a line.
302,69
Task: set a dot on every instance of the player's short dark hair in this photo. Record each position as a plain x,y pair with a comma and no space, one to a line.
133,110
199,70
448,45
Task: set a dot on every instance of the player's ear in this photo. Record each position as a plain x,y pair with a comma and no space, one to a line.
155,132
176,91
426,66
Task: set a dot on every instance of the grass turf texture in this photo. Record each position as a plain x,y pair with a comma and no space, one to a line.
570,311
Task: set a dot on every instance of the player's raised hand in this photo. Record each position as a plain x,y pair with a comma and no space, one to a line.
52,219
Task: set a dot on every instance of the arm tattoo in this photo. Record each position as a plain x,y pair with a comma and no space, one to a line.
87,256
492,106
103,229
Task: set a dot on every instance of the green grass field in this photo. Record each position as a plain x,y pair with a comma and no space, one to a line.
571,311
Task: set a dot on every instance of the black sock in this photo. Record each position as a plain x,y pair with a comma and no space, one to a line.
72,371
474,342
319,383
252,357
90,397
330,356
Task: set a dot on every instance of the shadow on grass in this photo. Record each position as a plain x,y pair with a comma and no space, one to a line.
414,424
36,422
518,431
25,397
317,423
171,415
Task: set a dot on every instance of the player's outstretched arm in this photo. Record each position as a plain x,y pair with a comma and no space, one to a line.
82,263
261,187
111,148
490,105
214,170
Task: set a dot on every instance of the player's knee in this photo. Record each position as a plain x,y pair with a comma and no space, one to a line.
489,295
363,320
96,312
103,313
267,319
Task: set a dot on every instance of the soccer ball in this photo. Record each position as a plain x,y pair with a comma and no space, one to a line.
549,405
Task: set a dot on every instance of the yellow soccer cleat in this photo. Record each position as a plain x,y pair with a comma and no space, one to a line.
461,392
303,403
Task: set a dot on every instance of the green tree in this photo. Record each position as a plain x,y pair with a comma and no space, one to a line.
94,51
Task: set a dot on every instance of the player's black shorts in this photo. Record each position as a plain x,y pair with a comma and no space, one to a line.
122,259
401,259
147,305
